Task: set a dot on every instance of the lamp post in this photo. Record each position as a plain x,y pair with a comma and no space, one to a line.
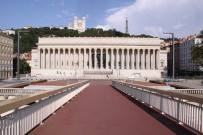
18,69
173,51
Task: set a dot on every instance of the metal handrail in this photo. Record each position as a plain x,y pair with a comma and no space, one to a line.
180,95
11,104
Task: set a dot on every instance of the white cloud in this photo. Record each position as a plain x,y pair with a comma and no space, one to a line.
59,16
179,25
65,12
112,10
183,17
104,27
158,31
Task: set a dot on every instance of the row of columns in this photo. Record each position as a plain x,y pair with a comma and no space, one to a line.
72,58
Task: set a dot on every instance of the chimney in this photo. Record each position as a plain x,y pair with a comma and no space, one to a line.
183,40
192,37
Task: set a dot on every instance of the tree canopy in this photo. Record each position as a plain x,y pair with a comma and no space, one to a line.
200,34
23,66
197,54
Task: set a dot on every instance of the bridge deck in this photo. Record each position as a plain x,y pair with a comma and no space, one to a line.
101,110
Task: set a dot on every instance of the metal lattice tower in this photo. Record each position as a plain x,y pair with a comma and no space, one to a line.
126,28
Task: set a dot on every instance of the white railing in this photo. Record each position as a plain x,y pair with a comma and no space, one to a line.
190,115
18,91
23,119
190,91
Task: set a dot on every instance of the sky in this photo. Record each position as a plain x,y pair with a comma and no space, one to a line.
151,17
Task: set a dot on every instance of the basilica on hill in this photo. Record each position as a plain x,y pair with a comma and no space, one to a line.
78,24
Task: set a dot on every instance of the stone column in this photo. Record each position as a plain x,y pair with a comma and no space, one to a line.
143,61
117,58
95,58
138,59
112,59
127,60
49,59
44,58
64,58
54,58
90,58
133,59
158,59
85,59
39,58
148,59
69,58
107,58
123,60
154,58
74,63
101,59
59,59
79,59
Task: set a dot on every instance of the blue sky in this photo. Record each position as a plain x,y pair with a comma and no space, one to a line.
20,13
183,17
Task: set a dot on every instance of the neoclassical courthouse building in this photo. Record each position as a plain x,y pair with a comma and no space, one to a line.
98,57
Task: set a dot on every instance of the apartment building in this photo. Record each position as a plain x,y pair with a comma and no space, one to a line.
186,61
6,56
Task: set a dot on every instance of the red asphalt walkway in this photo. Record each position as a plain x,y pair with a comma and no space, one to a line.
101,110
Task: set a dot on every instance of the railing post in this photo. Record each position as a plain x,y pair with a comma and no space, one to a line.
1,125
17,122
161,104
201,117
41,112
178,110
150,98
141,95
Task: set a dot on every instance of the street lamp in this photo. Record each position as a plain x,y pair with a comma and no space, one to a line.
173,51
18,69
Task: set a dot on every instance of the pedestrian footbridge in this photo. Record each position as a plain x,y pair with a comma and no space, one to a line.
103,107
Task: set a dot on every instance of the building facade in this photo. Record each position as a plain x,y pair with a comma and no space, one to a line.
9,32
78,24
6,56
186,61
98,57
176,59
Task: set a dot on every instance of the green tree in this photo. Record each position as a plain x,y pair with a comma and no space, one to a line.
24,66
200,34
197,54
